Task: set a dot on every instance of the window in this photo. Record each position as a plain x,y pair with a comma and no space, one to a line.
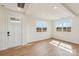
41,26
63,25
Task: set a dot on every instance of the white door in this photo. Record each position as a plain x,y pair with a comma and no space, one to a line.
14,33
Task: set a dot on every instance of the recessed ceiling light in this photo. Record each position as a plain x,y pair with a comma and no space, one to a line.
19,9
55,7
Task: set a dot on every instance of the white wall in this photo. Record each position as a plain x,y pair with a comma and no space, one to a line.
30,25
3,29
29,33
72,36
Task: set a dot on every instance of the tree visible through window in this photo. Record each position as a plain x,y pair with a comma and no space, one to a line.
41,26
63,25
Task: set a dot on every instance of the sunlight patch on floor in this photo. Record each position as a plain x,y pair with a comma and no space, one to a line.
62,45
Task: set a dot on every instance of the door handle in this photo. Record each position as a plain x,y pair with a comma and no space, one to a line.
8,33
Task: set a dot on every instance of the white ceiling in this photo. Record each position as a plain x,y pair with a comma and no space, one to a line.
74,7
49,11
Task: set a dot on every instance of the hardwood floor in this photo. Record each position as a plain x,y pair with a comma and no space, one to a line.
49,47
